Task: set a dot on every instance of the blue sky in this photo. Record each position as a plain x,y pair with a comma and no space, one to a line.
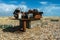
49,7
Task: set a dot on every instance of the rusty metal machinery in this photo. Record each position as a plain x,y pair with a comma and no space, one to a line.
27,17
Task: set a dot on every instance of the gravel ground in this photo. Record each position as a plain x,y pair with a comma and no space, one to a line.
47,30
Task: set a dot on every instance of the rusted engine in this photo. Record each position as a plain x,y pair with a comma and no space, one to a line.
25,18
31,14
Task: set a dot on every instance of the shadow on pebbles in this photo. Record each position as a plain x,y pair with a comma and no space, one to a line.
51,31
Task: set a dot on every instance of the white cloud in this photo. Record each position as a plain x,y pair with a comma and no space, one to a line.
43,2
8,9
52,10
23,7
